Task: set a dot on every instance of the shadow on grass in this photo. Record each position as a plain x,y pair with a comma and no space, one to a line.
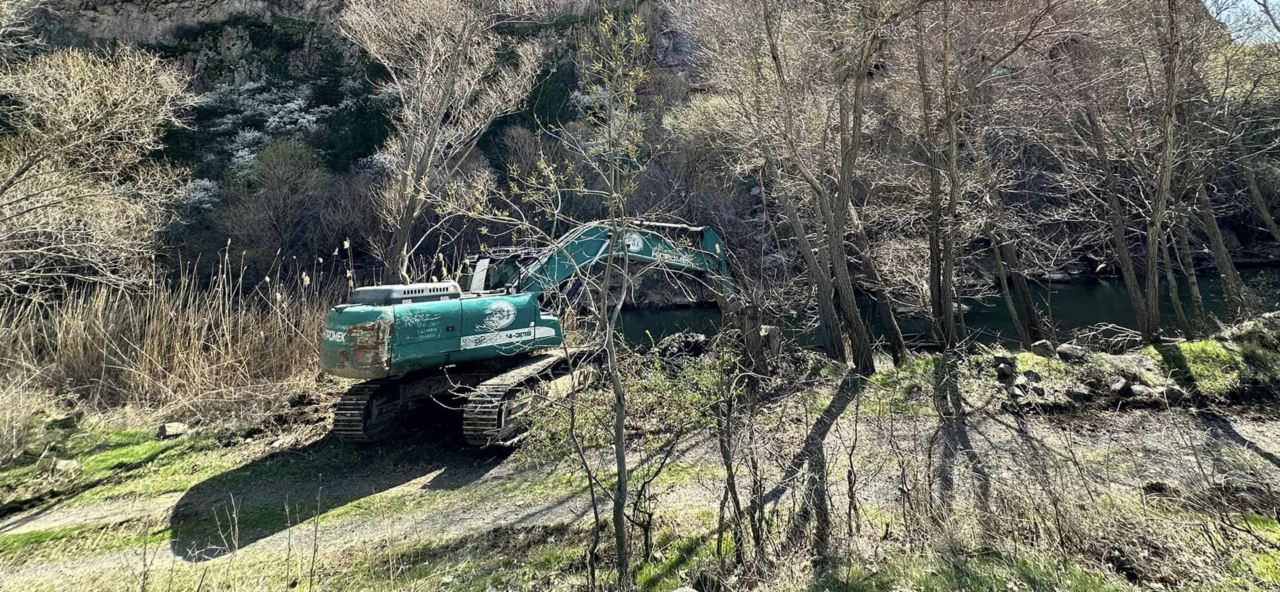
954,427
948,570
287,488
851,386
657,575
106,460
1217,427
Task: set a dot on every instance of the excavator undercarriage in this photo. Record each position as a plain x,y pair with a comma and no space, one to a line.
492,397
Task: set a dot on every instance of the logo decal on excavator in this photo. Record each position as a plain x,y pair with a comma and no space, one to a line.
633,241
498,315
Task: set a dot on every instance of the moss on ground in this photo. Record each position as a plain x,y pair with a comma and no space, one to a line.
1202,366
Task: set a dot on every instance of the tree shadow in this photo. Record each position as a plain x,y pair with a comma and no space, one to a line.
283,489
851,385
1220,430
1217,427
955,442
679,557
1179,368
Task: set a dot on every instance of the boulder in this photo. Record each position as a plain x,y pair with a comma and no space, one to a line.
1078,393
1071,353
1005,372
1033,376
1043,348
173,429
63,466
676,351
1015,392
1118,386
1145,394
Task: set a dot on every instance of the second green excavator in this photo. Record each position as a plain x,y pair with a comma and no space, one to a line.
488,340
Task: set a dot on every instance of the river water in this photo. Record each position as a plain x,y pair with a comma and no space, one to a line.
1070,305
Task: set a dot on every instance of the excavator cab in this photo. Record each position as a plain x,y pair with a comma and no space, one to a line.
497,271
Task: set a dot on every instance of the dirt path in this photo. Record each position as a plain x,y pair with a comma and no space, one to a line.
288,500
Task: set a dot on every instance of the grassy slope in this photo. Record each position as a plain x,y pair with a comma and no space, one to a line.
130,468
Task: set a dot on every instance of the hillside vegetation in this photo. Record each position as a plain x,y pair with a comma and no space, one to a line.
186,189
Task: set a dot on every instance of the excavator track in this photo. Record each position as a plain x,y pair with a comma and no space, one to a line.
491,415
492,400
368,411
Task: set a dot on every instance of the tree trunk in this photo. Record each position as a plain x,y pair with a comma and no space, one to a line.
930,159
1232,286
1117,220
619,414
1017,294
821,508
397,264
827,316
819,264
859,338
1155,225
1024,336
884,305
946,284
724,437
1022,292
1259,202
1187,263
1179,314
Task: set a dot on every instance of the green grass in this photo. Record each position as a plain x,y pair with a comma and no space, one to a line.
1265,566
170,467
1205,366
125,450
79,540
13,543
675,557
903,390
507,559
947,571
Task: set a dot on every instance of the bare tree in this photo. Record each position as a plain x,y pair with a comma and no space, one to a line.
274,207
452,74
81,198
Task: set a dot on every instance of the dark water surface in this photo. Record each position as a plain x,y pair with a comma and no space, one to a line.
1070,305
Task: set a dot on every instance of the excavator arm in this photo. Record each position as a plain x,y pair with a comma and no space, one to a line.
673,246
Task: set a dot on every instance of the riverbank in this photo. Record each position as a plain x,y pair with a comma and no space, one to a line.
1070,470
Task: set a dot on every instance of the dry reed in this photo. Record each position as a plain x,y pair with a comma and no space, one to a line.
185,348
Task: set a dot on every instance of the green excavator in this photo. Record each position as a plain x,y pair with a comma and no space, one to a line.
486,342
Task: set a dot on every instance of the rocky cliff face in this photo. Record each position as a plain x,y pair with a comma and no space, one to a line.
162,21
